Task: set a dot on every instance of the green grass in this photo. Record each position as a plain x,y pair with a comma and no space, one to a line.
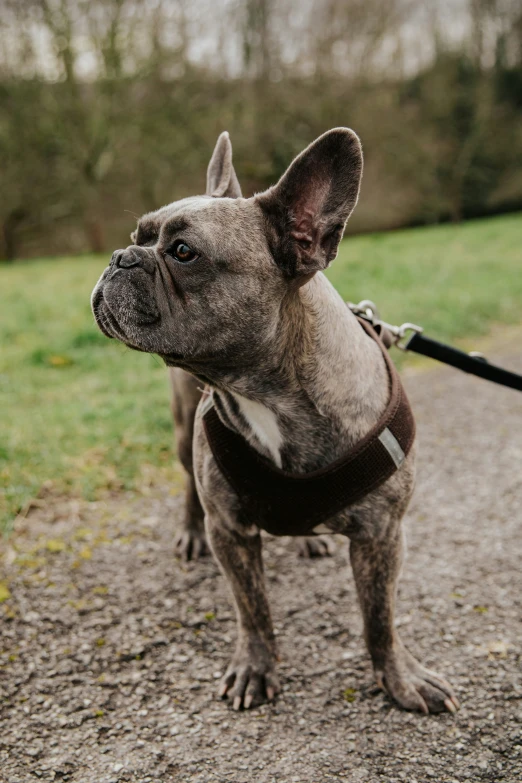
455,280
78,411
81,414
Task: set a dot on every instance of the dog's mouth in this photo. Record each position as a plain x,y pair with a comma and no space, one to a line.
107,322
114,322
103,316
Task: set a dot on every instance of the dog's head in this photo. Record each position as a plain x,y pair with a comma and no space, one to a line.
205,279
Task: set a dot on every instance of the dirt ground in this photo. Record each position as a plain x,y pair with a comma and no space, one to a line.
111,648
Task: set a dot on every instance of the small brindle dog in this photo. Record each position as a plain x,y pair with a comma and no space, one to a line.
230,292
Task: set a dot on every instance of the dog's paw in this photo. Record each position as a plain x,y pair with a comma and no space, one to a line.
414,687
190,544
314,546
249,681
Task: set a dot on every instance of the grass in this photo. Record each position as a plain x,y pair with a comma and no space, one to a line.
80,414
455,280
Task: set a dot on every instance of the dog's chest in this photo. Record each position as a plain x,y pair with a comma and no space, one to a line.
263,425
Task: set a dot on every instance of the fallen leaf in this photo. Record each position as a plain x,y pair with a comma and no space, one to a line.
4,592
60,361
498,649
82,533
55,545
349,694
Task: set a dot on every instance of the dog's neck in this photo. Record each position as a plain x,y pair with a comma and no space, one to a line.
318,387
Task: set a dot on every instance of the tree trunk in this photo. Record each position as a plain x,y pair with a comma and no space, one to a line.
9,248
94,234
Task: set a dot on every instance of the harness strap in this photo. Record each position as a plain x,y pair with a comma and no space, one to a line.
287,504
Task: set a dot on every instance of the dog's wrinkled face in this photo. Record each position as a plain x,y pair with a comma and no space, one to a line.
205,278
198,281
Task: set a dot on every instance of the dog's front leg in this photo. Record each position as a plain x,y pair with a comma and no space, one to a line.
376,563
251,678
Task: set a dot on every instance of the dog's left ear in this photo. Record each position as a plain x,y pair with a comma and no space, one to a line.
308,208
221,177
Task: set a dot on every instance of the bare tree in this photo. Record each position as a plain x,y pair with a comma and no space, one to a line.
111,105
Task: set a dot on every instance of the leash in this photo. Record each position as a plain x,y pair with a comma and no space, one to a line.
410,337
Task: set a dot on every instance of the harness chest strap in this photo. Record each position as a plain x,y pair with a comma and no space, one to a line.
288,504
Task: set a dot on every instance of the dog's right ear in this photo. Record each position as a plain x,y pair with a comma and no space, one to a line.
308,208
221,177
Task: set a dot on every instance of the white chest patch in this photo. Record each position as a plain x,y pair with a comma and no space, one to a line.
263,423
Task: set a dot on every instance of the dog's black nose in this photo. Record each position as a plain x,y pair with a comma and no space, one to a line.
125,258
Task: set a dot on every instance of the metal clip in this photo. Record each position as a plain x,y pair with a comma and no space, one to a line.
369,310
403,330
478,355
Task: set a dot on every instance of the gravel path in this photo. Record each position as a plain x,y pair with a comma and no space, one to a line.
110,648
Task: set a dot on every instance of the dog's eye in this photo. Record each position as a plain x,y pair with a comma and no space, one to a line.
182,252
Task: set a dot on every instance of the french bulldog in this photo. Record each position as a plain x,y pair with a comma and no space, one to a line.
231,290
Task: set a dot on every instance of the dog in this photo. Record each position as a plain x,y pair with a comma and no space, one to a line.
231,290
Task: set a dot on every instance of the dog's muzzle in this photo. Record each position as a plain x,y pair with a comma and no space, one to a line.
134,256
122,300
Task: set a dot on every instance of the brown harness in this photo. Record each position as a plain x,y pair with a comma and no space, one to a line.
287,504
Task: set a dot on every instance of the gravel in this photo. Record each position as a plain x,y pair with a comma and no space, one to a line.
111,649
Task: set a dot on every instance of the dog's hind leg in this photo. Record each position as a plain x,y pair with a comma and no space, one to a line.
190,542
313,546
376,564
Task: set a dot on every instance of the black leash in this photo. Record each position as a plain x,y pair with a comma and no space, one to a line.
472,363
